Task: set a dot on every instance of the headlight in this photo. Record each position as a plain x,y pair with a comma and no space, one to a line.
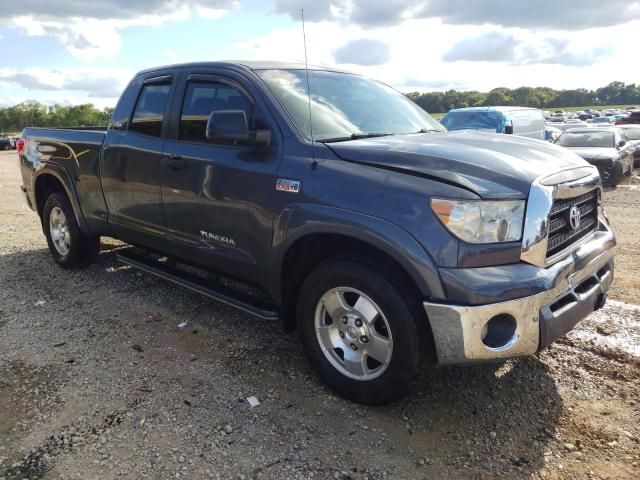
481,221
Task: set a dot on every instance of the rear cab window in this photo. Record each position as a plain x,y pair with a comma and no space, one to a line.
149,112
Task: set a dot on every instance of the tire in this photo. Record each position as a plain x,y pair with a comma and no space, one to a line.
614,175
373,381
69,246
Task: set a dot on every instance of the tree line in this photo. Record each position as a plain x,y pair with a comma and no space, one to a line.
616,93
35,114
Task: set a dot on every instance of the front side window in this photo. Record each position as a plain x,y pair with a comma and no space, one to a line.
202,98
149,112
343,105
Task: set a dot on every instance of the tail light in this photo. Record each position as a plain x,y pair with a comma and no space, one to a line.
21,145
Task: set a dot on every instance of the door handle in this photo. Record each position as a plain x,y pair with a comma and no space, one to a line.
174,162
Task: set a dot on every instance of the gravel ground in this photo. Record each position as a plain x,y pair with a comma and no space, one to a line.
98,381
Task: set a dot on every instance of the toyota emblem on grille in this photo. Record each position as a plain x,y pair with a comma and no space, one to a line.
574,217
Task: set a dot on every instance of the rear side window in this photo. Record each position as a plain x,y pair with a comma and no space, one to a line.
201,99
149,112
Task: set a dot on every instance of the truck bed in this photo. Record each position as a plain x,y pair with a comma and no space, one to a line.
74,155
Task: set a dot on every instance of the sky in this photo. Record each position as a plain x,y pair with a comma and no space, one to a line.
79,51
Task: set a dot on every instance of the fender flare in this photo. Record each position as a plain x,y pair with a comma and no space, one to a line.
300,220
62,175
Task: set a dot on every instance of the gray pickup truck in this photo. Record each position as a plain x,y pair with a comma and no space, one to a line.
333,203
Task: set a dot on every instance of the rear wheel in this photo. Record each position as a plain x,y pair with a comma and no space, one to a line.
68,245
359,331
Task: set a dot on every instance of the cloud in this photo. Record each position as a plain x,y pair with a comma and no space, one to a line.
364,51
90,30
489,47
314,10
107,9
94,83
532,14
505,47
441,85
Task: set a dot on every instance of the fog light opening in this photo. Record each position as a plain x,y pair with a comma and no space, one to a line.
499,331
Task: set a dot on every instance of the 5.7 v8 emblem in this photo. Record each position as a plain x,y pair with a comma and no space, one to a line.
284,185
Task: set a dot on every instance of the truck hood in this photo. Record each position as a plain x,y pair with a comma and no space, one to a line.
594,153
490,165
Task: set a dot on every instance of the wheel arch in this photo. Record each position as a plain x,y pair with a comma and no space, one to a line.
50,180
308,235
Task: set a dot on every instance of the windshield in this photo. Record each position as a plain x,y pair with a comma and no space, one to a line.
474,120
632,133
591,139
345,105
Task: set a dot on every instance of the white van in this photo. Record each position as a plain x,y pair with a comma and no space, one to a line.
521,121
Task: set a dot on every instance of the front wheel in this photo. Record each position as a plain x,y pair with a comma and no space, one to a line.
359,331
68,245
613,175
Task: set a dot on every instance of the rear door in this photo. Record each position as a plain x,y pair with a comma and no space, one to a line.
218,198
131,164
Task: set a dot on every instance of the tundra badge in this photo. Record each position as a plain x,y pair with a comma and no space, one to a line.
284,185
217,238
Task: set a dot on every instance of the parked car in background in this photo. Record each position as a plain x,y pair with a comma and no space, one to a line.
603,121
575,121
566,126
605,148
520,121
6,142
633,118
632,132
557,117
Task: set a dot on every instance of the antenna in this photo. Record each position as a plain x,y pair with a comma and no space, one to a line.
306,69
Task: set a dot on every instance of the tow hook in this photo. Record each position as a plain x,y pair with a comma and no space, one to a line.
601,300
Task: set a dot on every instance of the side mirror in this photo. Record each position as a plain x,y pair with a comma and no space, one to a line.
232,127
508,129
622,143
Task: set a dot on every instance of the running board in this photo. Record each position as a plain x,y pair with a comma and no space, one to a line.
246,303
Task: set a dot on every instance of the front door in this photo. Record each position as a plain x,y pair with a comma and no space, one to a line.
131,167
218,199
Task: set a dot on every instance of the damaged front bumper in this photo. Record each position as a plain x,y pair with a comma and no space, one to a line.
559,297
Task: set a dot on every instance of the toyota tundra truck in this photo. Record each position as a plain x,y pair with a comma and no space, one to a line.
334,204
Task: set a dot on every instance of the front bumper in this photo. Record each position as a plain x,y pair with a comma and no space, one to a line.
565,293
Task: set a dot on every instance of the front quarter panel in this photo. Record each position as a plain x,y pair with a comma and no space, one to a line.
388,209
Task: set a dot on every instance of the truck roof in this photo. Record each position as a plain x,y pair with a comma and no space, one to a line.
245,65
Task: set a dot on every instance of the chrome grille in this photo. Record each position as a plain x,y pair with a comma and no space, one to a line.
561,234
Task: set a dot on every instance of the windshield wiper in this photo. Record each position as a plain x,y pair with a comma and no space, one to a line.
355,136
429,130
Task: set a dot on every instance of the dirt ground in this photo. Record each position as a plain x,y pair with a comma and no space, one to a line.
98,381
